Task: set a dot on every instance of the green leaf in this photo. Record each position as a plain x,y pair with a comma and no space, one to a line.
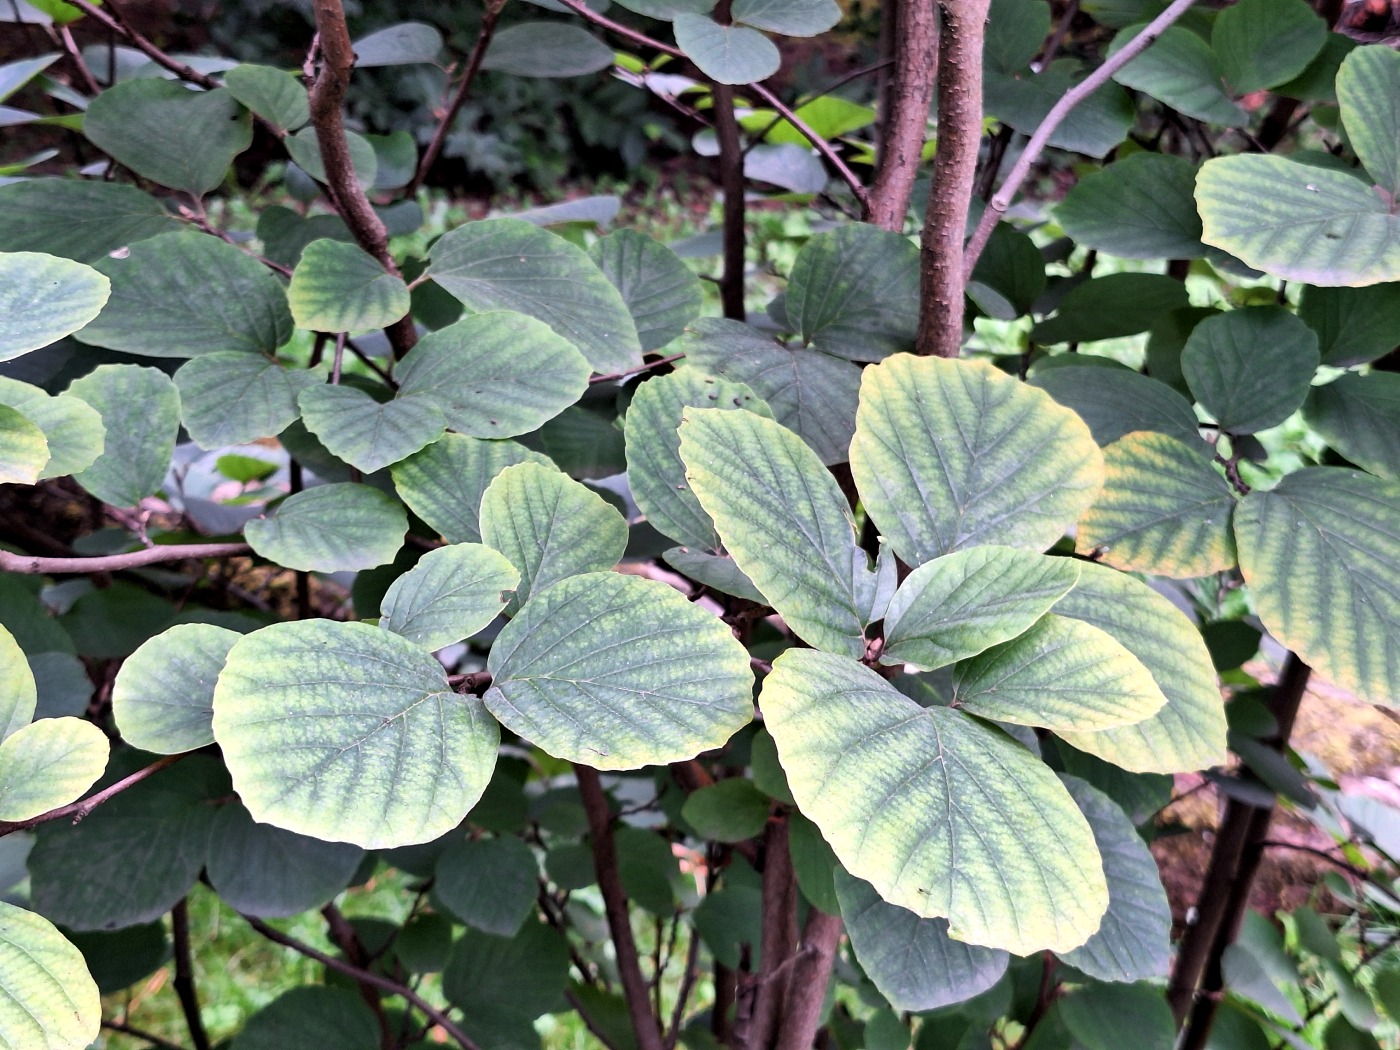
1108,307
14,75
369,434
727,54
140,410
451,593
261,870
547,49
619,672
1016,29
489,884
1009,276
273,94
331,528
655,470
830,116
550,527
1250,368
43,298
339,287
731,810
1264,43
18,693
715,571
1109,1016
812,394
943,815
1115,402
345,732
285,234
1353,325
784,521
444,482
1133,942
167,133
963,603
659,290
1062,674
586,443
186,294
233,398
24,450
955,454
1246,976
49,999
307,1015
47,764
1321,554
119,959
912,960
663,9
1163,510
1189,731
1367,86
495,374
789,17
729,920
77,219
499,981
1357,415
1141,207
72,428
1093,128
854,292
305,149
163,696
508,264
403,44
1297,221
88,877
1179,69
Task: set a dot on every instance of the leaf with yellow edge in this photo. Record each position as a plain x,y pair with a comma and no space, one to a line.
47,997
49,763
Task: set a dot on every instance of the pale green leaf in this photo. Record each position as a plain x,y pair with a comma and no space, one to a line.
405,43
24,450
77,219
18,693
185,294
1163,510
942,814
1297,221
714,571
789,17
331,528
784,521
273,94
1263,43
232,398
366,433
443,483
963,603
338,287
1116,401
167,133
48,1001
496,374
1250,368
727,54
1189,731
1320,553
549,527
662,9
49,763
1179,69
72,428
14,75
140,411
1359,416
619,672
451,593
547,49
912,960
1141,207
509,264
163,696
1367,88
1062,674
345,732
43,298
655,471
854,292
660,291
955,454
488,884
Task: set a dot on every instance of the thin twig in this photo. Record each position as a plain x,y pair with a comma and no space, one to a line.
1052,46
80,809
367,976
34,566
137,1033
70,48
731,180
184,973
1002,199
614,376
688,979
119,25
344,936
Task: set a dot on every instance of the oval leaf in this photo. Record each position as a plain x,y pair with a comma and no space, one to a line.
488,884
77,219
790,17
1251,368
546,49
403,44
47,997
660,291
338,287
728,54
43,298
369,434
1141,207
1359,416
1263,43
47,764
140,411
273,94
233,398
163,696
18,693
1367,86
1114,402
331,528
451,593
23,448
72,429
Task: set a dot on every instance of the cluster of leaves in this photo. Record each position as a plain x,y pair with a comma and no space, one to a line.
979,604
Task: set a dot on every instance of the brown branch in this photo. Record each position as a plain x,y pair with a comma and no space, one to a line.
811,973
779,933
344,936
915,35
184,974
137,1033
367,976
731,180
597,1030
489,18
327,96
614,376
119,25
33,566
70,48
1001,201
634,988
688,979
962,28
80,809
